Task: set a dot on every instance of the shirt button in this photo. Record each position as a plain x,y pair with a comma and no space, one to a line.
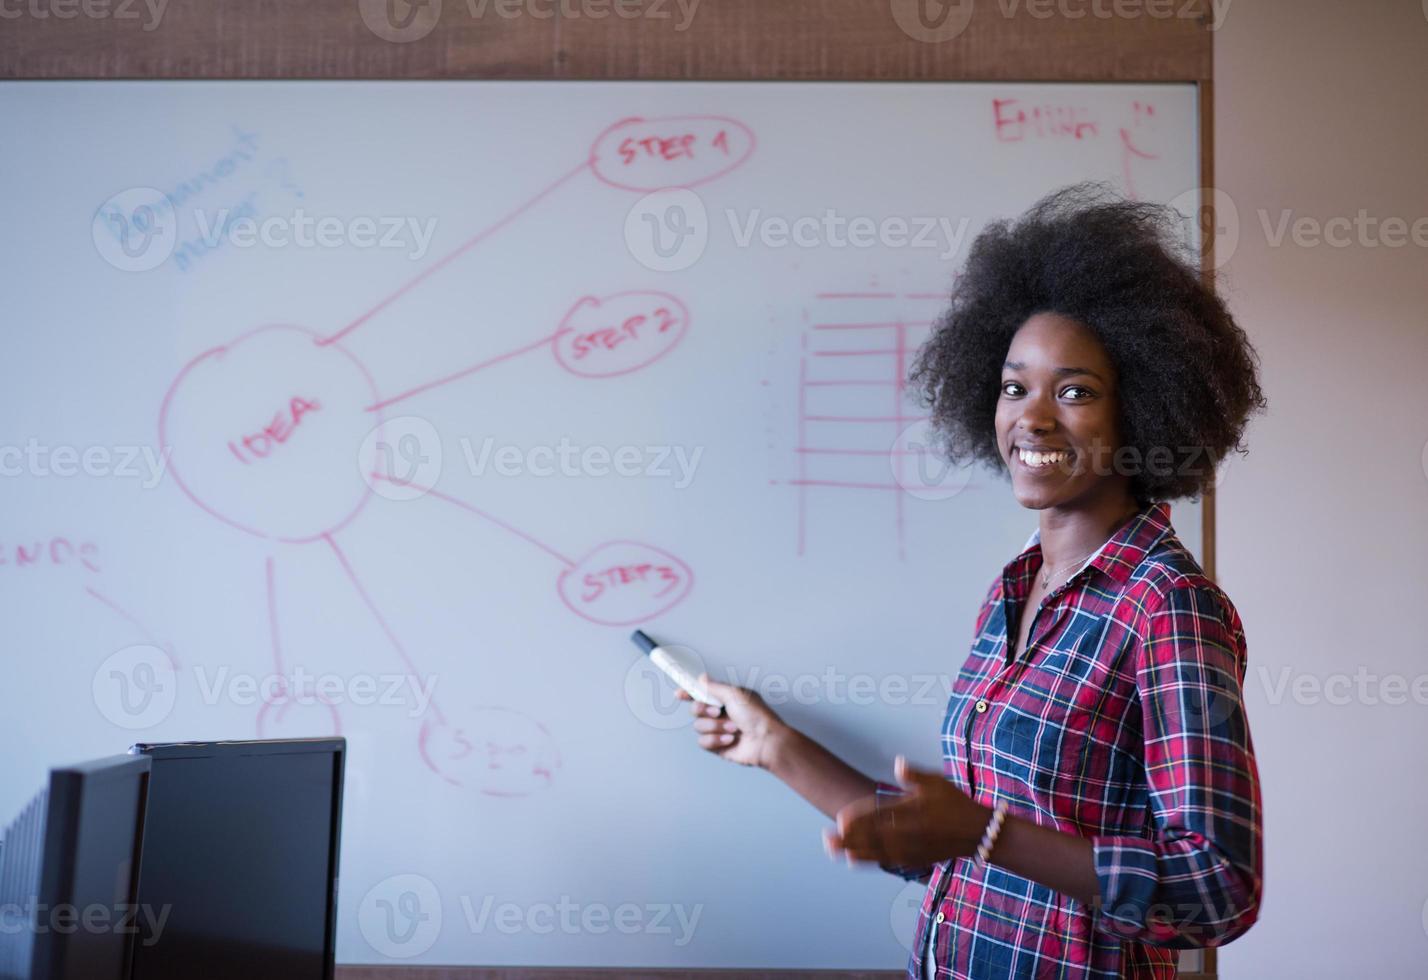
941,917
981,706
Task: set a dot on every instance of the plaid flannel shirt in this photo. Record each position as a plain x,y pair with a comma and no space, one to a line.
1123,722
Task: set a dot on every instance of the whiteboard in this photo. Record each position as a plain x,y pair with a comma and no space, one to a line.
387,410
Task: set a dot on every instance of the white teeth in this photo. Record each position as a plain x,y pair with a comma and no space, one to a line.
1042,459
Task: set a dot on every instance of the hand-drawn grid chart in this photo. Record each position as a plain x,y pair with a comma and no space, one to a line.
854,412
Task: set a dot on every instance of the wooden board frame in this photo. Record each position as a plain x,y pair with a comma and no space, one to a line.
651,40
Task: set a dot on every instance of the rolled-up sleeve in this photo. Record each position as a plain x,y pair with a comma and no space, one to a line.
888,793
1196,880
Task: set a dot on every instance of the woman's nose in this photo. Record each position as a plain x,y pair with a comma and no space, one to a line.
1036,418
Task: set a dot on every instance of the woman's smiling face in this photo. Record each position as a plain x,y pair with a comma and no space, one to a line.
1058,417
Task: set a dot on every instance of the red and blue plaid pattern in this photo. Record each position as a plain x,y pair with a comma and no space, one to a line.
1123,722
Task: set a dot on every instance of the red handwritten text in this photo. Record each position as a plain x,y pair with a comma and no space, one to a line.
623,582
55,552
611,578
603,337
675,151
259,445
1015,123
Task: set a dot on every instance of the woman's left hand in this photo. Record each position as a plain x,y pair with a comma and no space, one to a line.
933,821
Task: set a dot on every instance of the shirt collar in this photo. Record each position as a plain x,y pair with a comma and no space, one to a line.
1120,555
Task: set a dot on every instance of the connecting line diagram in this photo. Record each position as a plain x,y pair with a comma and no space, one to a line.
261,431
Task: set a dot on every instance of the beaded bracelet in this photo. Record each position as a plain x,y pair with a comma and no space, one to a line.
994,827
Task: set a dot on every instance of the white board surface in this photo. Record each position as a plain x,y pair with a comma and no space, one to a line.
228,304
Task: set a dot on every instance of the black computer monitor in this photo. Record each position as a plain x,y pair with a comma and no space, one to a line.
241,848
68,874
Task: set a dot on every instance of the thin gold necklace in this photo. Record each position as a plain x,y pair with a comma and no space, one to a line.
1046,576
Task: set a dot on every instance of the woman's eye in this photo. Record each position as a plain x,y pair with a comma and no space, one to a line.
1015,388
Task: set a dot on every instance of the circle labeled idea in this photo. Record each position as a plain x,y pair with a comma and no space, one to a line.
263,432
623,583
613,335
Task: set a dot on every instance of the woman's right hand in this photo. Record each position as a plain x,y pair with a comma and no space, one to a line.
748,735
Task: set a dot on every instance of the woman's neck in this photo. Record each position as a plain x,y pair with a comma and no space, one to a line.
1069,534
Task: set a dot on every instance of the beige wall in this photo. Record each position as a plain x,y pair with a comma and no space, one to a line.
1322,109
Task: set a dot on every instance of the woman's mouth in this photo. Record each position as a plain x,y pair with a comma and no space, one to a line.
1042,462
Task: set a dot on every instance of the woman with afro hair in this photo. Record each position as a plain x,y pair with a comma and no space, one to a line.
1099,805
